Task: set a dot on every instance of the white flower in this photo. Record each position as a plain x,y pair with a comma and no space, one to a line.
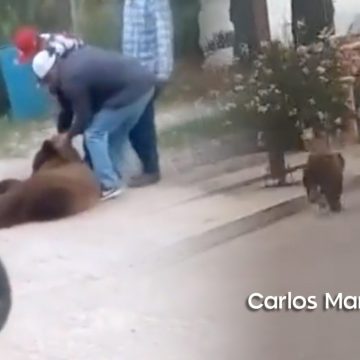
321,70
272,87
239,88
214,93
318,47
263,109
325,63
230,106
308,134
338,121
300,23
333,41
306,70
260,139
264,44
312,101
302,50
257,63
268,72
321,115
293,112
262,92
238,78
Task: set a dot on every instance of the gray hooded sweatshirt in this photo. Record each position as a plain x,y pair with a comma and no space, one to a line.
91,79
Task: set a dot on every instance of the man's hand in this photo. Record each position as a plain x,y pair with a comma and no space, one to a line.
61,140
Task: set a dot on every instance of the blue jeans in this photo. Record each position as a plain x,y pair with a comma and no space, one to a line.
87,158
106,136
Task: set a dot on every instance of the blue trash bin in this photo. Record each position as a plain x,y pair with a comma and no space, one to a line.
27,100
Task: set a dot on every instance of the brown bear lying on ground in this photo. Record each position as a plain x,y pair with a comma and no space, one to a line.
323,178
61,185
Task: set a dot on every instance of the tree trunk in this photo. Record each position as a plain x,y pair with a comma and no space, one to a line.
310,18
74,9
277,166
276,153
251,24
216,32
186,28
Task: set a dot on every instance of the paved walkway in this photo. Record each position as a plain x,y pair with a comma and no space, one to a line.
80,284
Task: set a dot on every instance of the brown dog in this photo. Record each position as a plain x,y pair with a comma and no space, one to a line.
61,185
323,177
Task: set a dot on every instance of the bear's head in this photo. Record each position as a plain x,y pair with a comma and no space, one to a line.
51,155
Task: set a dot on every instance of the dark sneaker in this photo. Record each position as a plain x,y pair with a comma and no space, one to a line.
111,194
144,180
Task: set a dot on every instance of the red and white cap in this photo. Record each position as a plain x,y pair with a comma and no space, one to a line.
42,63
26,40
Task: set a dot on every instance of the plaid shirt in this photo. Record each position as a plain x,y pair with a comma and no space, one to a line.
148,35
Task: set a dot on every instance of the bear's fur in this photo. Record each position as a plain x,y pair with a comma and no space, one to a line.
7,184
323,177
61,185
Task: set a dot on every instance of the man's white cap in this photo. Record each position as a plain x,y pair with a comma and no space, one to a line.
42,63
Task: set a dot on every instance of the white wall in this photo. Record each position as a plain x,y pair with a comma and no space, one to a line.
213,18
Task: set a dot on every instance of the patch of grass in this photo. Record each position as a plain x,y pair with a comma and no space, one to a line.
18,138
190,82
204,128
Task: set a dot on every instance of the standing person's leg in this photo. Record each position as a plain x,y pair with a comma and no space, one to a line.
105,139
133,115
87,158
97,144
143,138
131,165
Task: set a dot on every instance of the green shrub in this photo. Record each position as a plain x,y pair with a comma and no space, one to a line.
289,90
